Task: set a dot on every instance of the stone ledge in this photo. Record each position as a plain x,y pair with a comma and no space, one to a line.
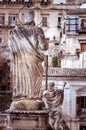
27,129
28,119
27,111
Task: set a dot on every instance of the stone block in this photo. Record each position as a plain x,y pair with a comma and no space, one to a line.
28,120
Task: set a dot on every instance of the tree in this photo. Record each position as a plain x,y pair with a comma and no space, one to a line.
54,61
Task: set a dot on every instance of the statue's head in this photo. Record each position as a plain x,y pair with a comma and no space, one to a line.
51,86
29,16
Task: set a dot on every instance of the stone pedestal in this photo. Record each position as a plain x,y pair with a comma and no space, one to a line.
28,120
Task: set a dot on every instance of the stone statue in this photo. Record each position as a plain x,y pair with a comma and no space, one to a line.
27,43
53,99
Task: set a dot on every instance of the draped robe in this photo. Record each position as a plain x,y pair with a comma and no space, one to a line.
26,43
53,101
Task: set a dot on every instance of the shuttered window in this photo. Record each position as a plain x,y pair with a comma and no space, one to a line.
12,20
1,20
83,46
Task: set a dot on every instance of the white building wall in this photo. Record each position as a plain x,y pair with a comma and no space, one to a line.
52,30
69,104
83,59
52,20
38,18
71,45
70,63
73,95
59,1
71,59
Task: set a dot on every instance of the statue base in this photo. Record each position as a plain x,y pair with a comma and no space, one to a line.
28,120
26,104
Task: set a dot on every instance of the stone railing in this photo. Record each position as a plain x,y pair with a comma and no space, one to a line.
65,72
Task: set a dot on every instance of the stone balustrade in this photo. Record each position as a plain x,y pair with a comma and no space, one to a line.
65,72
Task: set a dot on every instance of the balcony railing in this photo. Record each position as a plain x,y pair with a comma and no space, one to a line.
17,1
65,72
31,2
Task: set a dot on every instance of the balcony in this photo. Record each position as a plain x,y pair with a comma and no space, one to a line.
65,72
2,26
30,2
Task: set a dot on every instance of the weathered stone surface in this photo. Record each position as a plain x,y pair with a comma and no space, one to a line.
26,44
5,100
24,104
28,120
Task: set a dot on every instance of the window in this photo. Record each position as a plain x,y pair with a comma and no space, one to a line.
31,1
44,1
70,1
83,46
12,20
1,20
83,24
26,0
83,127
56,44
13,0
59,22
0,32
81,105
47,38
72,25
73,1
0,39
44,21
10,31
